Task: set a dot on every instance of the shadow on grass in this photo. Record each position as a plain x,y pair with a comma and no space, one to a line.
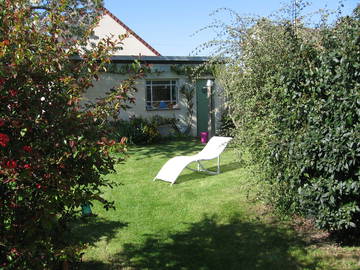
209,245
201,175
169,149
89,230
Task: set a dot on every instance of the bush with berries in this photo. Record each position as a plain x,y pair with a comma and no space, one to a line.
53,152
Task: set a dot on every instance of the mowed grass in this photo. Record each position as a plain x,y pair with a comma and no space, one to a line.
201,222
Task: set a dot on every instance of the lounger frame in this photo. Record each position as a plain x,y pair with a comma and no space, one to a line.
173,167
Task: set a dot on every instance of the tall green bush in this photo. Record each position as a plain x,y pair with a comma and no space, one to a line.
318,134
293,95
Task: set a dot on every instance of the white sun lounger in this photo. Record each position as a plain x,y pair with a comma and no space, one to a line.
174,166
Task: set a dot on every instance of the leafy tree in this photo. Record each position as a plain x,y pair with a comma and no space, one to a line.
53,153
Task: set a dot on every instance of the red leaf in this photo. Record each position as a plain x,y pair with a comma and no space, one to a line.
4,139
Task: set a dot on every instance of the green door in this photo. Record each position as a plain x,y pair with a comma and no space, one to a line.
202,106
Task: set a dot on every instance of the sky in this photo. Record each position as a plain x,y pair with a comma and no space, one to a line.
171,26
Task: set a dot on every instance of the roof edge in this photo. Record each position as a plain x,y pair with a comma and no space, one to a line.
128,29
126,59
160,59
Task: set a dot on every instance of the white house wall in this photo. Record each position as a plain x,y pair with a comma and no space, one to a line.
131,45
109,80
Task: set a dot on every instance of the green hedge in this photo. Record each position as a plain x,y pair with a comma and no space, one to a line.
294,96
318,129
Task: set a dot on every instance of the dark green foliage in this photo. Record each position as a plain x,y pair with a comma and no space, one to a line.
143,131
137,130
227,125
294,96
318,131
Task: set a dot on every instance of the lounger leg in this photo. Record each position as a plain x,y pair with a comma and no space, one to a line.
201,168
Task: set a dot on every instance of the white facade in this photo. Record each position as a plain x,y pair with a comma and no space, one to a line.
109,80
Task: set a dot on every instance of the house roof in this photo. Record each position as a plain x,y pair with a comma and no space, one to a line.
106,11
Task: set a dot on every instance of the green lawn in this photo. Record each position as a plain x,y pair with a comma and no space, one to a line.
201,222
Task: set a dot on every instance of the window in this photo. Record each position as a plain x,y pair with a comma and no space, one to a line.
161,94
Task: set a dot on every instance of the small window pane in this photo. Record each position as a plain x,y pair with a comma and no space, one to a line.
174,96
161,93
148,93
